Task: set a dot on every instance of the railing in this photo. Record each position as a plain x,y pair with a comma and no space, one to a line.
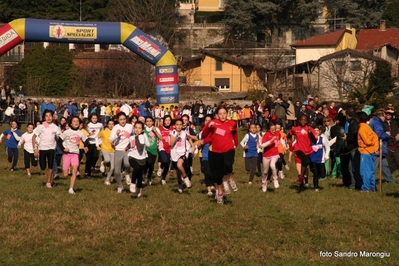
203,25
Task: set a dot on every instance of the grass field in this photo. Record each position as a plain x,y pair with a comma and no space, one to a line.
97,226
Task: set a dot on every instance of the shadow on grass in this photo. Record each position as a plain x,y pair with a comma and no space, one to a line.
394,195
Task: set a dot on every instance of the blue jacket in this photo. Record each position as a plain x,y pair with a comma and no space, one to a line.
377,126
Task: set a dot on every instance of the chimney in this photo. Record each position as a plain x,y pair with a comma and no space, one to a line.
382,25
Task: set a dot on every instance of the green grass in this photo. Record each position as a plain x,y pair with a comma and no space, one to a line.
97,226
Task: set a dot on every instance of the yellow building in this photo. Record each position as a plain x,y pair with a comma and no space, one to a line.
211,5
222,72
325,44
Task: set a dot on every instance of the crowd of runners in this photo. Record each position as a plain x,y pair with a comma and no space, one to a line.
134,143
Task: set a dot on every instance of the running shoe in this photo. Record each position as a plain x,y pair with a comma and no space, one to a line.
187,182
71,191
159,172
128,180
180,188
132,188
219,199
226,188
49,185
233,185
264,186
102,167
276,184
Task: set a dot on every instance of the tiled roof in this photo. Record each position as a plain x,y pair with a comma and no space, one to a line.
328,39
351,52
374,38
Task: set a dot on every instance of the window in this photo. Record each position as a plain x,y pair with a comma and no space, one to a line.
222,83
182,79
219,65
356,65
339,66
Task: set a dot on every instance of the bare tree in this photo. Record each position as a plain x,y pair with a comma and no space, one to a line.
159,18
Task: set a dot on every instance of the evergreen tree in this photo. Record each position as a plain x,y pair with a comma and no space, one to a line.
45,72
245,19
391,14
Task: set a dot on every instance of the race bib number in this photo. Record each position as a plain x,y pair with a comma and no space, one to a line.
152,134
9,136
133,143
179,143
220,131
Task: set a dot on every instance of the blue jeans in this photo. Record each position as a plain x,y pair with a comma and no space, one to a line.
367,172
386,172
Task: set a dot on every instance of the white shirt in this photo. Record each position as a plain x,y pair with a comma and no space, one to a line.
102,110
181,147
71,140
48,134
93,130
133,151
126,109
121,140
85,113
26,140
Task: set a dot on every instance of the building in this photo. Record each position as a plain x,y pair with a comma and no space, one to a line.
221,72
325,44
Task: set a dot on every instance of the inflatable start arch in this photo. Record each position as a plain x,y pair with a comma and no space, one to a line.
37,30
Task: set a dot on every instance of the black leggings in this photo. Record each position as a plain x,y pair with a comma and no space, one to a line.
46,159
149,168
138,170
319,171
207,172
91,158
29,159
305,161
12,156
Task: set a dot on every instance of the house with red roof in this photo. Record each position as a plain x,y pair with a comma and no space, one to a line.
383,43
325,44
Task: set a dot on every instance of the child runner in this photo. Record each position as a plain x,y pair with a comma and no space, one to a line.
260,150
71,139
180,149
270,142
93,127
81,146
107,150
320,154
48,133
13,135
250,143
192,137
368,146
153,134
303,134
221,158
58,151
138,157
282,147
296,159
120,135
164,147
204,157
26,140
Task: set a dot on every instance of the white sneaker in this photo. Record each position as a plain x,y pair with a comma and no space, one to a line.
187,182
180,188
107,182
71,191
102,167
128,180
264,186
281,174
163,182
29,175
287,167
210,194
159,172
78,174
276,184
120,189
249,183
219,199
139,193
233,185
149,182
191,169
132,188
49,185
226,188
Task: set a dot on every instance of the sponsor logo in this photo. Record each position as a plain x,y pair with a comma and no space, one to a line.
166,89
167,99
166,70
60,32
146,46
7,37
171,79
